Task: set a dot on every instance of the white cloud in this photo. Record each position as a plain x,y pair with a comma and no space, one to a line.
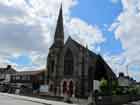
29,25
84,33
113,26
114,1
127,29
117,63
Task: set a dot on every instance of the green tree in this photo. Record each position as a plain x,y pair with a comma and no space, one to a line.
104,86
114,84
133,90
119,91
114,87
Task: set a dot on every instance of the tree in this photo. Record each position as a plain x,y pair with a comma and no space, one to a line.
133,90
114,87
104,86
114,84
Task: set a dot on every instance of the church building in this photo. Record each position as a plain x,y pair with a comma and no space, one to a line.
73,67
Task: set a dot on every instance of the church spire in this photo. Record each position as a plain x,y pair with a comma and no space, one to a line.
59,32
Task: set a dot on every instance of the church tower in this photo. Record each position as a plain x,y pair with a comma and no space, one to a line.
59,32
55,60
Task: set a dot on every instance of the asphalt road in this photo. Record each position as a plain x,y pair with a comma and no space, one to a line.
7,100
11,99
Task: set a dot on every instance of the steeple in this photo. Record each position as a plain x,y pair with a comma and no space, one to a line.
59,32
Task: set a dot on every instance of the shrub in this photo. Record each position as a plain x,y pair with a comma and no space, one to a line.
104,86
133,90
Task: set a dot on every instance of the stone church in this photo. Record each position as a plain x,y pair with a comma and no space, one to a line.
73,67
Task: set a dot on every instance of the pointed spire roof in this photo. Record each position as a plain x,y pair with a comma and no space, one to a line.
59,32
86,46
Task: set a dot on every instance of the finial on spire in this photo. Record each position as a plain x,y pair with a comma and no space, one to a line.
86,46
61,9
61,5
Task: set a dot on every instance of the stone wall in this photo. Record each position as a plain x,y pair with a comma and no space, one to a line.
116,100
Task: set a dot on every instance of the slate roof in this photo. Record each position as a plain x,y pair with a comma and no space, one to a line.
91,54
7,70
35,72
109,70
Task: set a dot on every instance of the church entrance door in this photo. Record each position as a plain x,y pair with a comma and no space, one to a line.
64,87
71,88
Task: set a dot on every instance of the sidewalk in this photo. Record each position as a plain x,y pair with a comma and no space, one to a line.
37,100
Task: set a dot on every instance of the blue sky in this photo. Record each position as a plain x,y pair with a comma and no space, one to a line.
95,12
101,13
108,27
22,59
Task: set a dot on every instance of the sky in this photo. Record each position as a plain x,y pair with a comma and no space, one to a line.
108,27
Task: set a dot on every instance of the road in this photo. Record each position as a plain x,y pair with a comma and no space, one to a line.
9,99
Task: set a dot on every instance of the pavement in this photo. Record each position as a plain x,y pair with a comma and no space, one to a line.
133,103
11,99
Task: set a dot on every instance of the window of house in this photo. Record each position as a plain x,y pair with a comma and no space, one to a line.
28,77
17,77
40,77
13,78
24,77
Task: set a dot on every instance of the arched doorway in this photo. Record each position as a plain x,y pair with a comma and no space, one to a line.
64,87
68,63
71,86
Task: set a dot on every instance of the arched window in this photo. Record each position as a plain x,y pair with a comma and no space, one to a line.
68,63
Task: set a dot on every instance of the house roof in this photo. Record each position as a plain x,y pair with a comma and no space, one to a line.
91,54
8,70
35,72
